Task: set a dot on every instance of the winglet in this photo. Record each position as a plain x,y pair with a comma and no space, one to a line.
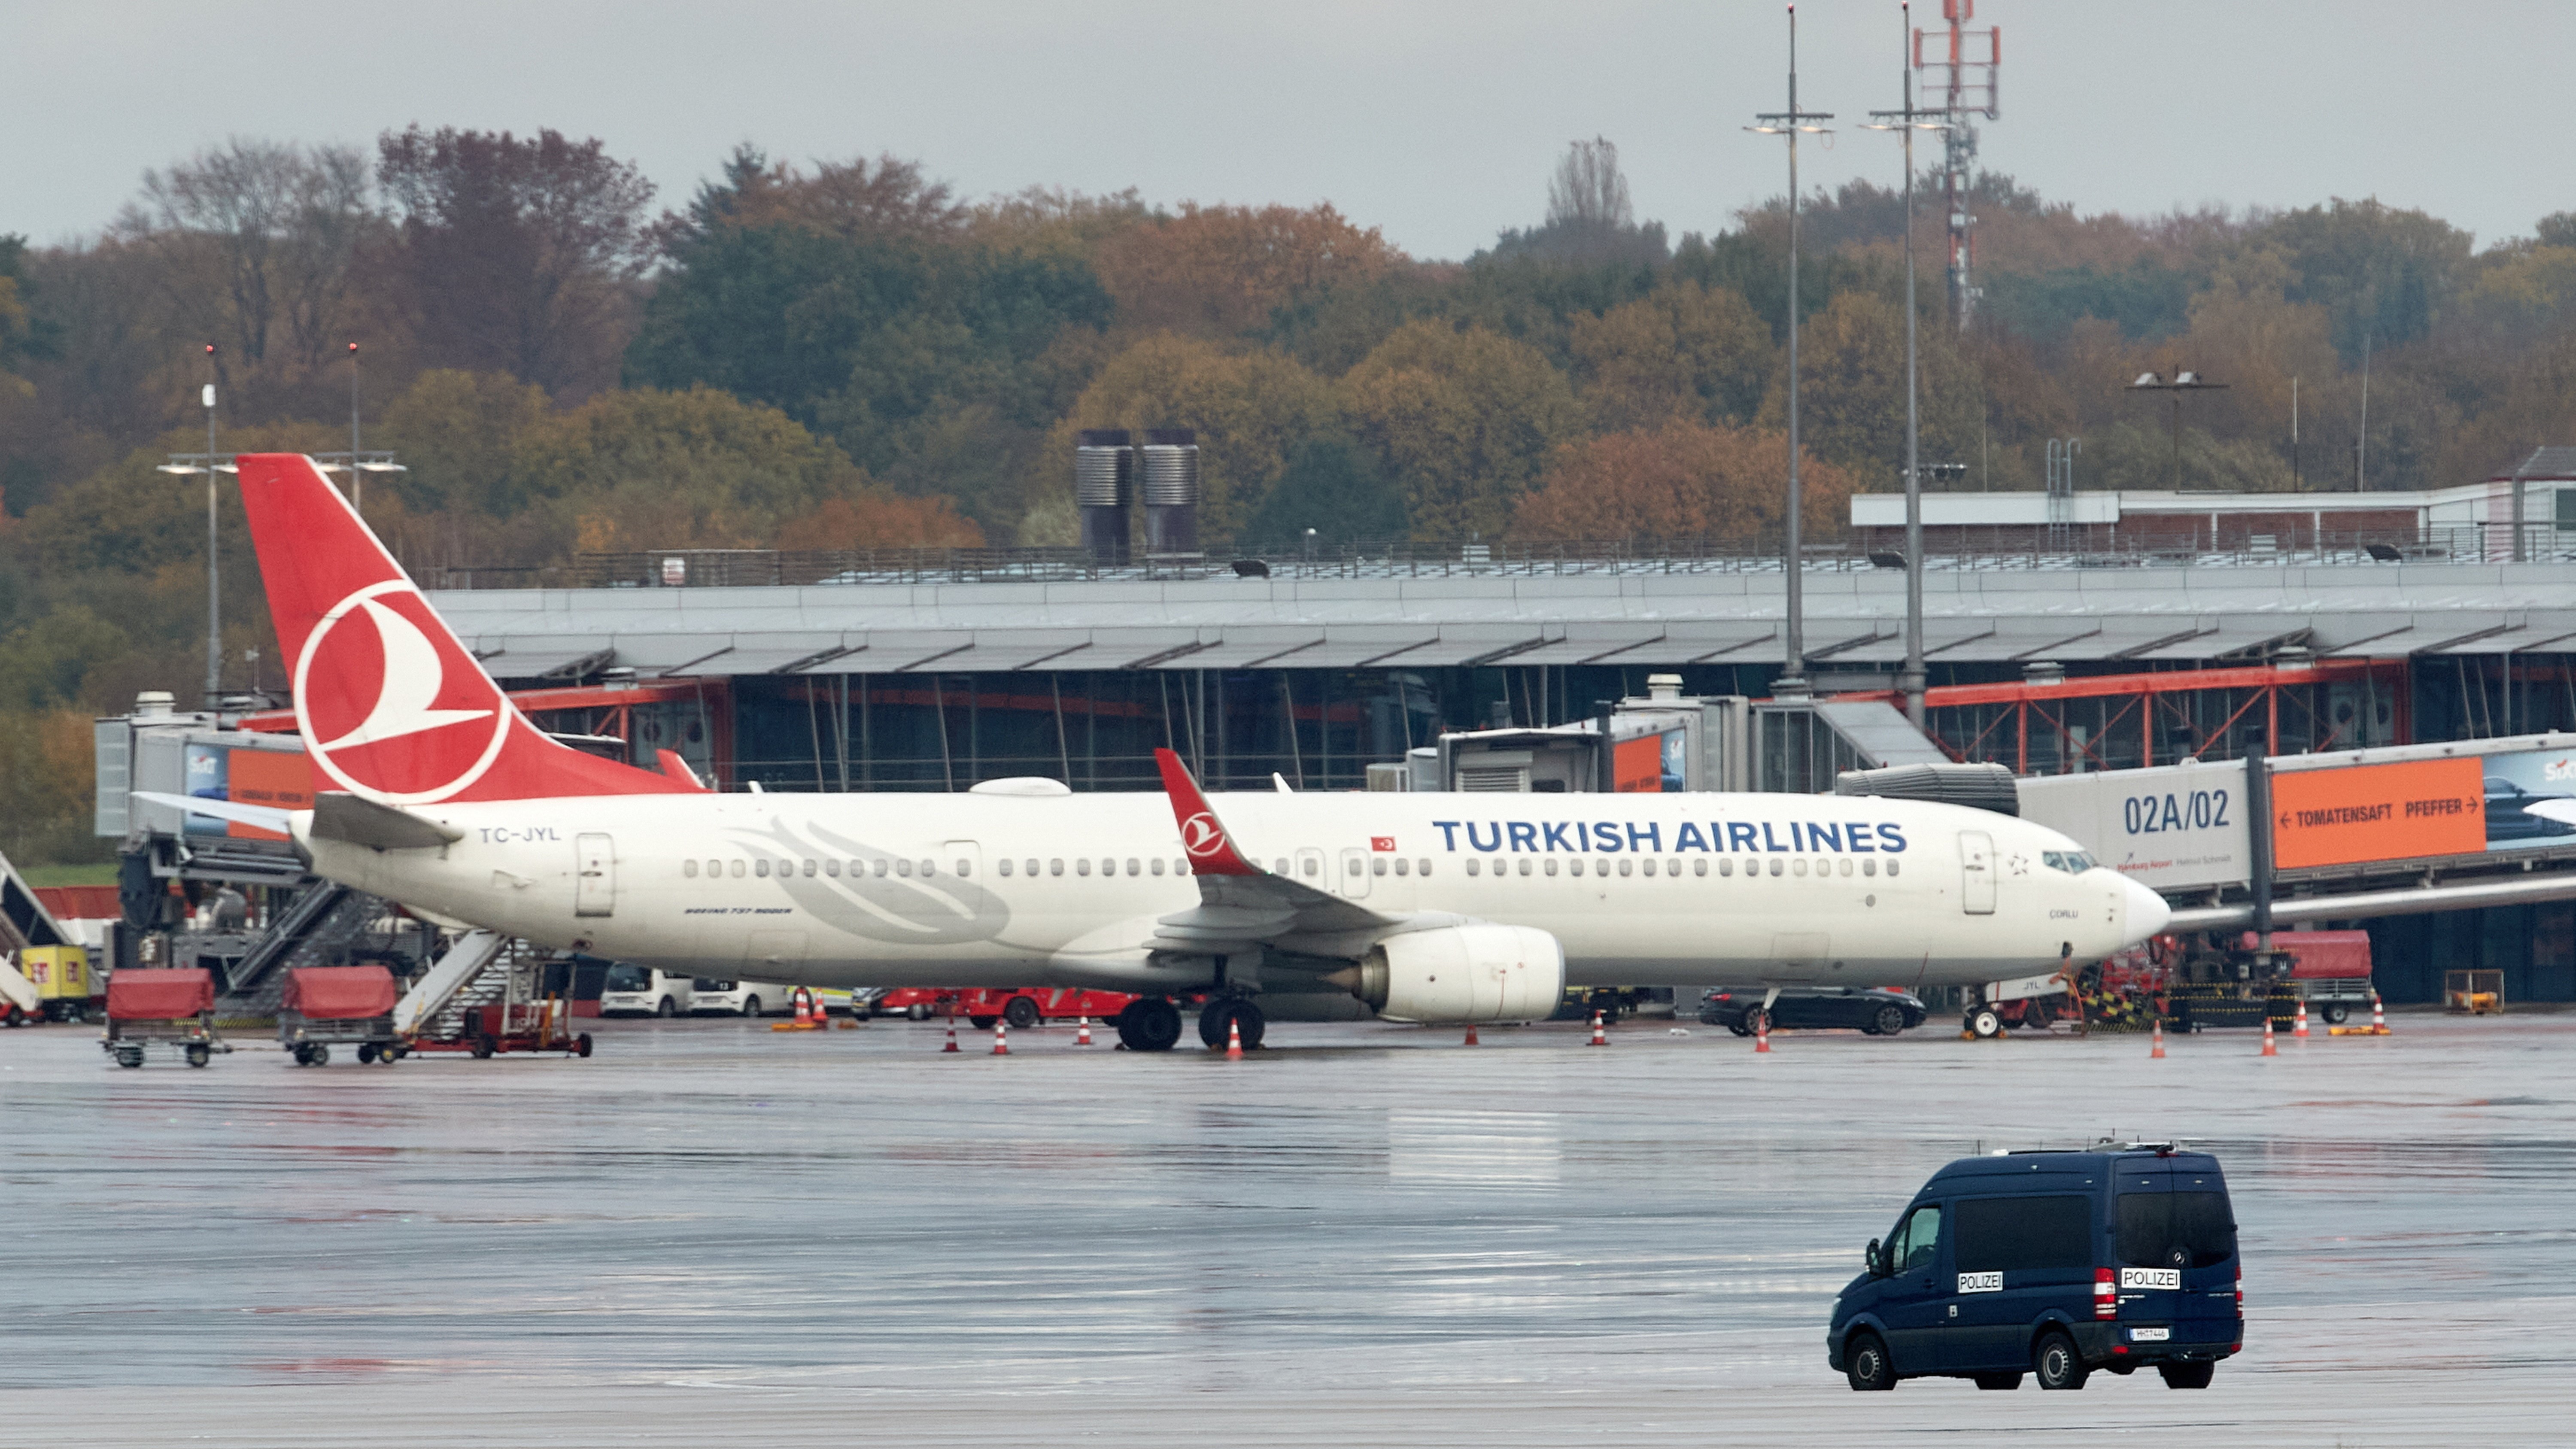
1203,836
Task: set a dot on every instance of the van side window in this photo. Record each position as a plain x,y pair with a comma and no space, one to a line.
2176,1229
1916,1240
2005,1233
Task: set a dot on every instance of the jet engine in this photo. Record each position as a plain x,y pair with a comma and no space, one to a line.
1460,974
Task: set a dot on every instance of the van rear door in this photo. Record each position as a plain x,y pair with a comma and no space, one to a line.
2175,1244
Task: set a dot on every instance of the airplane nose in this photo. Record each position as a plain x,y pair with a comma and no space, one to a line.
2146,915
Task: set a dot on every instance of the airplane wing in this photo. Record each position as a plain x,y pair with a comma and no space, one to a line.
1240,904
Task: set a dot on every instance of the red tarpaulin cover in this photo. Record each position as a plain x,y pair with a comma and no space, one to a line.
134,995
2321,955
339,993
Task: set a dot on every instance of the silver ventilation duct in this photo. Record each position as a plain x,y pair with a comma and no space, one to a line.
1104,469
1171,490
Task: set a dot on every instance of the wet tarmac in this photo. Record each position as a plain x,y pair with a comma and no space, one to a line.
713,1233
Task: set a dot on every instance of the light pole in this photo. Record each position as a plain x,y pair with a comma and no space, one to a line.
2183,382
359,464
1906,122
1791,123
211,464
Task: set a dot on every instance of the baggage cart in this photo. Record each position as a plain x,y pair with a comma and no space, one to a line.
353,1006
173,1008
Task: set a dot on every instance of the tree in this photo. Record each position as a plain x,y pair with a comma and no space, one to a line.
1332,486
261,237
880,519
1682,481
1852,397
458,436
1684,352
1590,218
1463,419
1250,408
1221,271
518,251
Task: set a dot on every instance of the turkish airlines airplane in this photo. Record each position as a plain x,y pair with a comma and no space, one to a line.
1433,907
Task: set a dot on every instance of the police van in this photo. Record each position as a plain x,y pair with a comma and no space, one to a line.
2053,1264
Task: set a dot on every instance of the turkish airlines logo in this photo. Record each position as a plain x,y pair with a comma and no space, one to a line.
390,708
1202,837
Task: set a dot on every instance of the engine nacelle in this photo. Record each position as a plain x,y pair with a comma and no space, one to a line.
1457,974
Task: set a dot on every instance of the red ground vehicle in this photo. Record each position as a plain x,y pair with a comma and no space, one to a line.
1022,1006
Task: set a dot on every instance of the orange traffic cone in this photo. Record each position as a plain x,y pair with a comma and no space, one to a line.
1083,1036
1598,1037
804,1009
1762,1033
1471,1034
2299,1028
2269,1049
1001,1038
1234,1038
952,1036
2378,1017
2158,1054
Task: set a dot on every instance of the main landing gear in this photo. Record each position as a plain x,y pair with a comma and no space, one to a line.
1241,1012
1150,1024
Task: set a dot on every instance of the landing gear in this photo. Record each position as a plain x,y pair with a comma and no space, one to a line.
1150,1024
1242,1011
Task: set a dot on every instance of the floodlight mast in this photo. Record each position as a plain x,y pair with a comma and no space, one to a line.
1791,123
1906,122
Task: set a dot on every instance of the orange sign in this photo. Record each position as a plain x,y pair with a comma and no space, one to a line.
1637,766
279,779
2377,812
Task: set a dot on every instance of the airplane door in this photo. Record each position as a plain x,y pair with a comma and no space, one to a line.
1977,872
1355,873
595,880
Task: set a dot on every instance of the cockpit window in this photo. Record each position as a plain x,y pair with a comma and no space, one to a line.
2073,862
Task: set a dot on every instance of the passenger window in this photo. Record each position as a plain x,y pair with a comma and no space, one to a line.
1472,867
1892,865
929,869
1551,867
1845,865
903,867
1672,867
1624,867
1699,867
689,868
832,868
737,870
1109,866
881,869
1726,867
1425,867
1082,866
1135,866
1277,867
760,867
1574,867
1158,865
1055,867
1313,866
1005,867
1525,868
1800,866
809,869
965,867
1918,1240
1033,866
1779,867
1377,865
1869,867
1650,868
1402,866
2022,1233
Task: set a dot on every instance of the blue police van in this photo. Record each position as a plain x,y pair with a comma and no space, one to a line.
2053,1264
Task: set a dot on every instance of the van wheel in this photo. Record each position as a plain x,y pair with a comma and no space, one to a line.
2056,1364
2186,1375
1997,1381
666,1009
1866,1364
1021,1013
751,1006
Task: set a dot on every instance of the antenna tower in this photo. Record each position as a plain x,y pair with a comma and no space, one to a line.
1959,66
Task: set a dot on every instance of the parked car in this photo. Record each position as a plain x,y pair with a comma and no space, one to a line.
1876,1010
643,991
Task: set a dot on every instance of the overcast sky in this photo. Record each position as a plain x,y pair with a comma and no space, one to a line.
1436,122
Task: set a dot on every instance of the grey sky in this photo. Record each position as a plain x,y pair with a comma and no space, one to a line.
1436,122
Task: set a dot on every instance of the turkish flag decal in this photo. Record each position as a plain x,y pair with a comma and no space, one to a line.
1381,842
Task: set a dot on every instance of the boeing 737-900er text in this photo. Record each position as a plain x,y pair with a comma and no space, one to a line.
1451,908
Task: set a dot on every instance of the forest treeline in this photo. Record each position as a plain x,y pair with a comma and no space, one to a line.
848,354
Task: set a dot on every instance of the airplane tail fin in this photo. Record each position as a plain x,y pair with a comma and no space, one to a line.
391,705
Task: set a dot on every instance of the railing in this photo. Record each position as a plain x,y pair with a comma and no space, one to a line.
1953,550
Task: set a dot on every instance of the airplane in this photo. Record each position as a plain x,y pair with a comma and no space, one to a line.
1437,908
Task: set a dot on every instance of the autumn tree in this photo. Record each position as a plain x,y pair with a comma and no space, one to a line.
1684,352
1852,394
1223,270
1681,481
1462,419
877,518
1591,219
518,252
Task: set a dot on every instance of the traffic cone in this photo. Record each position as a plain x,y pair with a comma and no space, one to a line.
1762,1033
952,1037
1083,1036
1001,1038
1471,1034
2378,1017
804,1009
1598,1037
2269,1049
2158,1054
1234,1038
2299,1028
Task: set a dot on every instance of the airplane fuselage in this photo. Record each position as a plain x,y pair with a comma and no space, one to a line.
994,890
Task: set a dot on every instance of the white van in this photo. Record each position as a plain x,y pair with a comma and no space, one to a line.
716,996
643,991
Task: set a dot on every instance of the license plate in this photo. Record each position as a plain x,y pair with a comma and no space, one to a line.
2150,1335
2151,1278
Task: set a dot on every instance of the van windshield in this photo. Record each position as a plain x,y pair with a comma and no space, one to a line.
628,978
2176,1229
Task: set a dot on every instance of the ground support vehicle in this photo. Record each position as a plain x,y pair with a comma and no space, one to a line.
65,982
351,1006
492,1029
173,1008
2052,1264
1022,1007
1874,1011
2329,970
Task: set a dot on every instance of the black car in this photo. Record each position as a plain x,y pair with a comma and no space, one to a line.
1877,1010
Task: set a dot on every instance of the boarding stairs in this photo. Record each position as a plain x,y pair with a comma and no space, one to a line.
24,922
317,930
473,971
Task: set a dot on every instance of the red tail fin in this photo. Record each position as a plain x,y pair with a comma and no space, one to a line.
391,706
1203,837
